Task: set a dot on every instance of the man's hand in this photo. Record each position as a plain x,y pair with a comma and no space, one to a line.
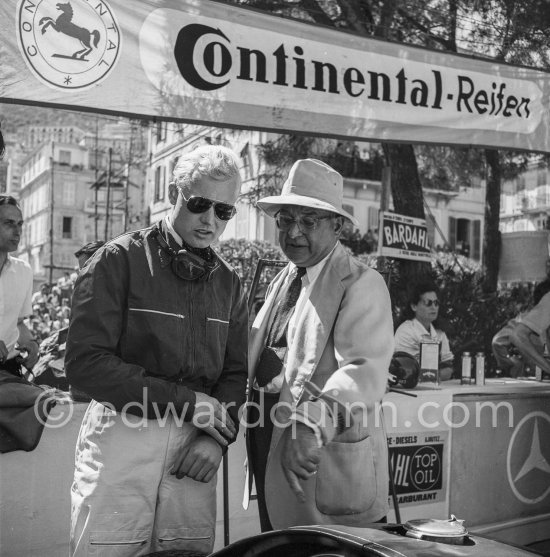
211,417
27,342
33,350
301,457
3,352
198,460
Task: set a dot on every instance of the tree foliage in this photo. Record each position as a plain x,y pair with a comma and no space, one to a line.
449,169
244,255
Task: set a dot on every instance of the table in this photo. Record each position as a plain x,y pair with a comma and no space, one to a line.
481,453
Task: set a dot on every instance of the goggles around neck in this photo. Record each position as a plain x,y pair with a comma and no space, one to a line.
197,204
185,264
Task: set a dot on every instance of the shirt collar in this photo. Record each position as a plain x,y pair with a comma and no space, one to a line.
420,327
7,264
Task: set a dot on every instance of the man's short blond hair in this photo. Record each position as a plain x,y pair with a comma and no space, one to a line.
213,161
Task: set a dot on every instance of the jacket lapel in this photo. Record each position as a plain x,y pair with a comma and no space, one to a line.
313,330
314,325
262,320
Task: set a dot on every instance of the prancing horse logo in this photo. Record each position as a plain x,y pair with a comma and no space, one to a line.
64,24
74,49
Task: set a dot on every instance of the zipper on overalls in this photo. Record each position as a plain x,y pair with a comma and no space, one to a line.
191,329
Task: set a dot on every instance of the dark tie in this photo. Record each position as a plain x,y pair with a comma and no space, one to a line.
271,359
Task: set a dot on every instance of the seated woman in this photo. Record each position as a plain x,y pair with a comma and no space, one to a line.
420,325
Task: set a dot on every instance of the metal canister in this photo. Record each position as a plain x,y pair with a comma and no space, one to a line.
480,368
466,367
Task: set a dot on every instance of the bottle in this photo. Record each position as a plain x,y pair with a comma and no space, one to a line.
480,368
466,367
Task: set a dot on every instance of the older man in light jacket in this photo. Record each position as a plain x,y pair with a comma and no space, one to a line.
316,445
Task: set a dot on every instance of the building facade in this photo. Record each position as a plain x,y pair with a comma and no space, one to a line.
137,189
63,198
525,200
453,218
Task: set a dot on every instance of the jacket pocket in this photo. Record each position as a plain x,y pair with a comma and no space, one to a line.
196,541
160,331
346,478
115,544
157,312
216,330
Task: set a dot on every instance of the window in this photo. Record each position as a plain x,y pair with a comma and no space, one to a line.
373,218
68,194
67,227
173,164
64,157
465,237
159,183
541,177
247,164
161,131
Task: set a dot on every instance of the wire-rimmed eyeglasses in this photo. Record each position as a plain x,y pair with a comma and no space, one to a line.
306,223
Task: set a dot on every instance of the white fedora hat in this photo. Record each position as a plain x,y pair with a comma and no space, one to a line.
310,183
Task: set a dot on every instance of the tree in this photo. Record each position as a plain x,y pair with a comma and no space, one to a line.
515,32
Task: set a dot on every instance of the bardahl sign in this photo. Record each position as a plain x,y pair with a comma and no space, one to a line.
403,237
209,62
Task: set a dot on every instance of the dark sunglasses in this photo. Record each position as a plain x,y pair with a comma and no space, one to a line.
430,303
197,204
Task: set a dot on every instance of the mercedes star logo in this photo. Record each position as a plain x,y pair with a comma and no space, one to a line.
527,463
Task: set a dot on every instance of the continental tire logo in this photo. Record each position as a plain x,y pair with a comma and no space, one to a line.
68,45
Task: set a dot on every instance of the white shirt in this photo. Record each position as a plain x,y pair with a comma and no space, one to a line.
538,318
15,300
308,281
409,336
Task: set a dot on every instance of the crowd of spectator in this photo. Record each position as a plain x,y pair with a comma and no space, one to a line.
51,307
366,243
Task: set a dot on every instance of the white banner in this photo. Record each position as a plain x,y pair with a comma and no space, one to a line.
207,62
